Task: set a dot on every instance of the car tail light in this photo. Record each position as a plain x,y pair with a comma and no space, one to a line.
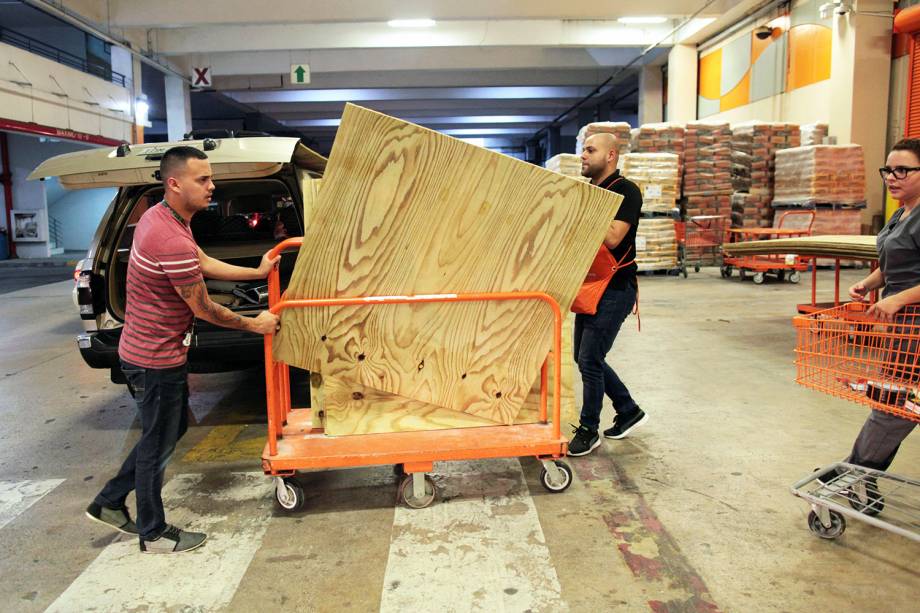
86,301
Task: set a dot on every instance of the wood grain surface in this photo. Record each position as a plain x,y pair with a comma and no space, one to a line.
404,210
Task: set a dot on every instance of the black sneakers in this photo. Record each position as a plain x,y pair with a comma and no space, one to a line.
173,540
113,518
624,425
584,442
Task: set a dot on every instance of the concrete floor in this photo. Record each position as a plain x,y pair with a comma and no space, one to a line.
691,513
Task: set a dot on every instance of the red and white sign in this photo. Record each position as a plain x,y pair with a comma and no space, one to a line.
201,76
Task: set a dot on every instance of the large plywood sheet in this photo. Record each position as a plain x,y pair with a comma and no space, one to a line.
405,211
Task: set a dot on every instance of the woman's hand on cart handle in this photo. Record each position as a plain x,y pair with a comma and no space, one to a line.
885,309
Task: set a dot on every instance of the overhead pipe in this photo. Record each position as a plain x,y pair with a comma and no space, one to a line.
907,21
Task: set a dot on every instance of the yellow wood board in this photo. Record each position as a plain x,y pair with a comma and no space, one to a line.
346,408
405,211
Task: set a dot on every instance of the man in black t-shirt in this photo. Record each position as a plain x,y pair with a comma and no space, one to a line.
594,334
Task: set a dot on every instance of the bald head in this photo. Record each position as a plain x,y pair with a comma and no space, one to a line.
599,156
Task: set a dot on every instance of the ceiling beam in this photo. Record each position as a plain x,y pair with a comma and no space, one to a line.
174,13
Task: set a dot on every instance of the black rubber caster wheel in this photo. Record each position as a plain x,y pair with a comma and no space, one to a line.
838,525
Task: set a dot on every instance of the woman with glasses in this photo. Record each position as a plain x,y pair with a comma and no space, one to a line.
898,273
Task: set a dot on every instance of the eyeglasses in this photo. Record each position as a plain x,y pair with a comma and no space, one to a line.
899,172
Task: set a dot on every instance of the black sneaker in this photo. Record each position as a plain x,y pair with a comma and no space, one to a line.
624,425
584,442
113,518
173,540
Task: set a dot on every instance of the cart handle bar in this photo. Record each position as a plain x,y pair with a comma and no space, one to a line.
277,305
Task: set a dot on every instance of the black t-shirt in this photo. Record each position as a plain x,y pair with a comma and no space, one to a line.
629,211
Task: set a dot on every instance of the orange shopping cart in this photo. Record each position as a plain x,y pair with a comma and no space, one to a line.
297,442
845,353
697,237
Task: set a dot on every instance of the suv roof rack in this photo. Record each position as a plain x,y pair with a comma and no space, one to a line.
222,133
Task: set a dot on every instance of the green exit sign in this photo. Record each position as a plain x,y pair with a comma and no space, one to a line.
300,74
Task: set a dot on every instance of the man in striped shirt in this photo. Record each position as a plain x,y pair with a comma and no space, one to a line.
165,293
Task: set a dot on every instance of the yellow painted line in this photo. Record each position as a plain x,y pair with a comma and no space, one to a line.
229,444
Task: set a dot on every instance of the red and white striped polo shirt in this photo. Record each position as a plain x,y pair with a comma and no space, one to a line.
164,256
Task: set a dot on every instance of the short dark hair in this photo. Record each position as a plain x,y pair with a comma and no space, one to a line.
908,144
176,158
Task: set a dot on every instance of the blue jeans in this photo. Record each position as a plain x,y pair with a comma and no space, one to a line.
594,336
162,403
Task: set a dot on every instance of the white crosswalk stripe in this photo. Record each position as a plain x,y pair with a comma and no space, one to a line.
233,510
18,496
480,549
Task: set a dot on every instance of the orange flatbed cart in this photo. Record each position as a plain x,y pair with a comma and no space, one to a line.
296,443
762,265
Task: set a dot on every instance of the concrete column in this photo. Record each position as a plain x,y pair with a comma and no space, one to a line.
860,80
554,145
650,95
178,108
682,69
136,92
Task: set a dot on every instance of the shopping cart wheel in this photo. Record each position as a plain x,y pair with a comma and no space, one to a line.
696,267
874,503
794,277
726,271
758,278
407,492
838,525
742,273
564,478
288,494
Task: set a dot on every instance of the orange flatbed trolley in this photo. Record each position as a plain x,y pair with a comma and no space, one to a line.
295,443
762,265
845,353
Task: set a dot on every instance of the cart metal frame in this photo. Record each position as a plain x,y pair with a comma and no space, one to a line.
843,490
295,443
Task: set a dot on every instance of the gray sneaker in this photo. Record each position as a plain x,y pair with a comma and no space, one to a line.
113,518
173,540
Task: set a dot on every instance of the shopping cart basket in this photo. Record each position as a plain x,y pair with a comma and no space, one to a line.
846,353
697,237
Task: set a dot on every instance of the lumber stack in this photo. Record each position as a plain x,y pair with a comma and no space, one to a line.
656,244
856,247
820,174
658,176
405,211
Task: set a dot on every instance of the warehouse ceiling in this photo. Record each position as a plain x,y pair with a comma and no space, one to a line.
496,71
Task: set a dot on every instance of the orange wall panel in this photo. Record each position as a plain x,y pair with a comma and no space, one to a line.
809,55
739,95
710,75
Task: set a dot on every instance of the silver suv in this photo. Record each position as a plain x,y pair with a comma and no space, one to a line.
261,184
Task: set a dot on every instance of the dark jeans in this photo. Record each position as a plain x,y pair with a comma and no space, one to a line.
162,402
594,336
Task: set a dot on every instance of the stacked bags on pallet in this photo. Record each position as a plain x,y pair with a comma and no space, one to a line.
814,133
567,164
820,174
708,168
658,176
754,145
659,138
619,129
656,244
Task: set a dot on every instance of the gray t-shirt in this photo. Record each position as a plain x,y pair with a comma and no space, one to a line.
899,252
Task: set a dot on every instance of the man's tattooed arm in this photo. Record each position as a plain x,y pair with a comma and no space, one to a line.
196,296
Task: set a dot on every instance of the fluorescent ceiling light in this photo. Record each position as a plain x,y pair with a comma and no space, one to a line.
411,23
642,20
